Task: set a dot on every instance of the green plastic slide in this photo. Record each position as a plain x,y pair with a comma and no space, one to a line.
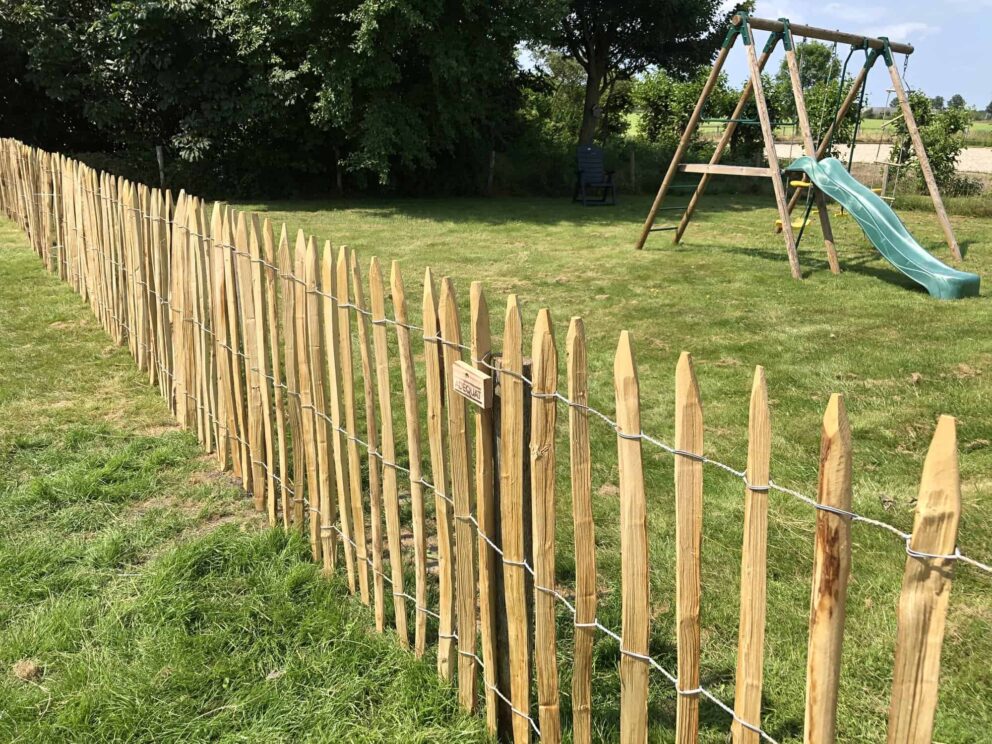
886,231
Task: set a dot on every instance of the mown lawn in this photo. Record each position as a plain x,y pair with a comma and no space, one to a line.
899,357
140,600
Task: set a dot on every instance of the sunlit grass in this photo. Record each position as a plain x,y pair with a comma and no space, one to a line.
140,599
899,357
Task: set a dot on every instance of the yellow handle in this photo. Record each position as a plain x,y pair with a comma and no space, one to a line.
800,184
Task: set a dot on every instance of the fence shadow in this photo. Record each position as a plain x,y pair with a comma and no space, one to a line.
629,212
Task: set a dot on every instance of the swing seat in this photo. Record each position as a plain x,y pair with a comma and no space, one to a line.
796,224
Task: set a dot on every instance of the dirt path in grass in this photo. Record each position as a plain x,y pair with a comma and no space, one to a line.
971,160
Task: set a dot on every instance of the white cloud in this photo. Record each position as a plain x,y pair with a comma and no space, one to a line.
782,9
854,13
907,31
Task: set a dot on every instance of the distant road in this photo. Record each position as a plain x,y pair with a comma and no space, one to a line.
972,160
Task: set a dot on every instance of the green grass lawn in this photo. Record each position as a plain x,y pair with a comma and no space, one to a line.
899,357
140,600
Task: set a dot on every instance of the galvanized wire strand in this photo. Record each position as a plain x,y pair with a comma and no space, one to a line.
438,339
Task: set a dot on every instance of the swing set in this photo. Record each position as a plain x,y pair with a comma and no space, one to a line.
814,183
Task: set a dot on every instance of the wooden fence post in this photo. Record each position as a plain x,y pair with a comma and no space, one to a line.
544,411
302,363
688,544
751,633
262,361
332,345
271,317
411,411
511,494
225,408
635,588
372,439
233,335
390,491
439,476
585,532
293,400
461,490
249,348
926,591
481,349
222,362
831,568
322,507
347,364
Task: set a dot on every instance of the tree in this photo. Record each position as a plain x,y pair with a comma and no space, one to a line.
616,41
988,109
818,63
942,133
255,90
957,102
819,72
937,102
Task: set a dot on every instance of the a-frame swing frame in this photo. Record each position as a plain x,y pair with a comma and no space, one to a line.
743,26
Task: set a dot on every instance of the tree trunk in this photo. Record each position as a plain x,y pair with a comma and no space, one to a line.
594,89
492,172
160,158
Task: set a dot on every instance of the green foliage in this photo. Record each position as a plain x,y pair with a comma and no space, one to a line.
616,41
818,63
819,71
938,103
942,133
237,89
666,103
957,102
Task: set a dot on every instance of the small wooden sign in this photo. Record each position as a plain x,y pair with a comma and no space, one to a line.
473,384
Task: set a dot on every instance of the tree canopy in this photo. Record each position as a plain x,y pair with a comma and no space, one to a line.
615,41
957,102
381,88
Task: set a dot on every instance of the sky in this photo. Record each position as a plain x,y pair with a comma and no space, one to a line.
951,39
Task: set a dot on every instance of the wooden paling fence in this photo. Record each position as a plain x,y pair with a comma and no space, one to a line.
251,337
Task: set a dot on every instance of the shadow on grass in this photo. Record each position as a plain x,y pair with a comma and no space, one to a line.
864,264
631,210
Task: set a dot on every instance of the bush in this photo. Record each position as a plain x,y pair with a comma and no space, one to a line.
962,185
942,133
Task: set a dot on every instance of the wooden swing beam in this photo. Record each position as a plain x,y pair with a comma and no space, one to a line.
823,34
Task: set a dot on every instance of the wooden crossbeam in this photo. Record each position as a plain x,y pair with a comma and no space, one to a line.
725,170
812,32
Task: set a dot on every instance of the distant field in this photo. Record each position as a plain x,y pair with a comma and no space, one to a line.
872,130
